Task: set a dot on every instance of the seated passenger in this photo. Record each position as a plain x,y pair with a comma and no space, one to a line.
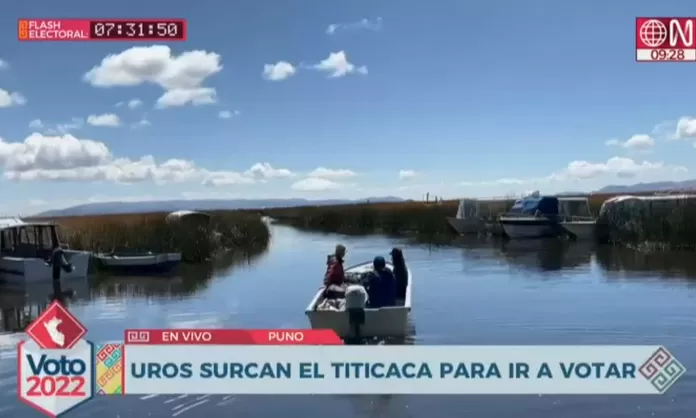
335,277
400,272
381,285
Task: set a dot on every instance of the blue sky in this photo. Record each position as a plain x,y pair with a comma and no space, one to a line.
451,97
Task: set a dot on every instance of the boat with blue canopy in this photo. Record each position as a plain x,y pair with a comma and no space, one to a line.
534,216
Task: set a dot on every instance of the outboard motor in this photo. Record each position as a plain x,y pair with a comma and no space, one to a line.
59,265
356,300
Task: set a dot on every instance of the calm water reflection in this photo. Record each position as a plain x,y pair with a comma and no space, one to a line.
476,292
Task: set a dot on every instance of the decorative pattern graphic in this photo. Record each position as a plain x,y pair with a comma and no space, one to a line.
109,362
662,369
137,336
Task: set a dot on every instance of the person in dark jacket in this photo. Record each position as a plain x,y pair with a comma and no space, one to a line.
400,272
381,285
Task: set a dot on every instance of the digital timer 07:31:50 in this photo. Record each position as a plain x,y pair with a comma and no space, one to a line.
142,30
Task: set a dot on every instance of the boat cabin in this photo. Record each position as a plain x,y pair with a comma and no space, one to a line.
535,205
575,208
27,240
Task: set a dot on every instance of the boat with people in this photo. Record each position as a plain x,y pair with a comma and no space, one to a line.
28,250
392,320
578,221
534,216
137,262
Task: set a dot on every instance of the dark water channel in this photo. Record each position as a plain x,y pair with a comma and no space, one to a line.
475,292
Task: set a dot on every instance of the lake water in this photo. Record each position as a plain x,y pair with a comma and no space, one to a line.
476,292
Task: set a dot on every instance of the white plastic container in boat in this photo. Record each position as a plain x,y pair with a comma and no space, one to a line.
391,321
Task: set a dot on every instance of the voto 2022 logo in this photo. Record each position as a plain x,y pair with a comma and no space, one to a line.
56,367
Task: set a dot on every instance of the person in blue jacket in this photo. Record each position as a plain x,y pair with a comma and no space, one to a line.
381,285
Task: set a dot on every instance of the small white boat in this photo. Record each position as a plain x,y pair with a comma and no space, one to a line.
580,230
27,247
391,321
140,263
468,219
578,220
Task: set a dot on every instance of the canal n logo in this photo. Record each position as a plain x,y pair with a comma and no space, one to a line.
662,369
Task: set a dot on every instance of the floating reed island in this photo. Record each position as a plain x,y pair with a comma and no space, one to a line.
419,218
646,219
240,231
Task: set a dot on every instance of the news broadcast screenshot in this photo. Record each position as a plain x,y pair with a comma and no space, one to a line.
361,209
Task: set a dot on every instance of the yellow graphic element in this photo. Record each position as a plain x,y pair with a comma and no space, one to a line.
109,362
22,29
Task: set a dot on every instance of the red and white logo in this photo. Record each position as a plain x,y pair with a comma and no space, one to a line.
55,368
56,329
665,39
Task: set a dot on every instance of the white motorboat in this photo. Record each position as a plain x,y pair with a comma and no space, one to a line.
578,221
468,219
532,217
391,321
138,263
26,249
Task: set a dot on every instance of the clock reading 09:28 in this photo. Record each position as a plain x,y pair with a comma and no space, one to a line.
138,29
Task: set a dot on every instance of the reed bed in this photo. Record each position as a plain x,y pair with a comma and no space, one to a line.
651,224
228,230
668,226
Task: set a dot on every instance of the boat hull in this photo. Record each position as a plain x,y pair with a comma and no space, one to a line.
584,230
383,322
138,265
529,228
466,226
36,270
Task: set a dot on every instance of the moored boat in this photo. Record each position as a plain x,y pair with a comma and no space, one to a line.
140,263
578,221
26,250
468,219
390,321
534,216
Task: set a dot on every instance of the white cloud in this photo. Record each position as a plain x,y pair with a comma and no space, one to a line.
686,128
617,166
75,123
180,97
68,158
315,185
39,152
106,120
636,142
141,123
278,71
8,99
367,24
120,104
36,124
620,167
266,171
180,76
226,114
331,174
3,64
407,174
135,103
337,65
226,178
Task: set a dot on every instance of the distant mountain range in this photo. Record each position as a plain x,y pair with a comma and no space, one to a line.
101,208
687,185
